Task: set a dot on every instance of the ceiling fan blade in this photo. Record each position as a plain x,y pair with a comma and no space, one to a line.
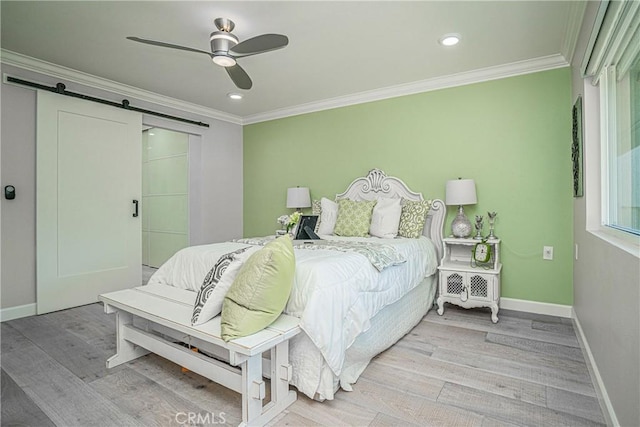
239,77
172,46
259,44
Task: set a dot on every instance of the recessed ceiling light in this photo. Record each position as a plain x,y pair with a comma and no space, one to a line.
449,39
234,95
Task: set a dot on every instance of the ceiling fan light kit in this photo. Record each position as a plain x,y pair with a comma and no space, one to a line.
223,60
226,49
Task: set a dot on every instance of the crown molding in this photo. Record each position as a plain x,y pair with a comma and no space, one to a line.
47,68
460,79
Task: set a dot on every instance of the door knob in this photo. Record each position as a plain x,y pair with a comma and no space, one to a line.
9,192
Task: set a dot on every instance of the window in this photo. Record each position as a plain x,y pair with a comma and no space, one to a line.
621,160
614,64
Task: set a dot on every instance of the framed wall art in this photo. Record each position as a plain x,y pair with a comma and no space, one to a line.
577,148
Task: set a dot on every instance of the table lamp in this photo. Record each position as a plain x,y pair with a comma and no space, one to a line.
461,192
298,198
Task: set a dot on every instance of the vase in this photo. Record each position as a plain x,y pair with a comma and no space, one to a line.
461,226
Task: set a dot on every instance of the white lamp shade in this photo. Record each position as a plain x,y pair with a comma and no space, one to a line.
461,192
298,197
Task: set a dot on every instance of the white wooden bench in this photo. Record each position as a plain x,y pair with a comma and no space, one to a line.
155,318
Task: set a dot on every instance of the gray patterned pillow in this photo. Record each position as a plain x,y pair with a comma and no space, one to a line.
316,209
354,218
215,286
413,217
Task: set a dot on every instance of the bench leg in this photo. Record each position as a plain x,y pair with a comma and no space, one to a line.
126,351
253,413
280,374
253,390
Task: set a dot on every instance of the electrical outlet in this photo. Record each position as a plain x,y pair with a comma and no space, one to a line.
576,252
547,253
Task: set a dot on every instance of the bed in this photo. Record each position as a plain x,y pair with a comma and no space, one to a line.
350,308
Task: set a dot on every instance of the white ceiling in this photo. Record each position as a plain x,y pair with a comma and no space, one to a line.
336,50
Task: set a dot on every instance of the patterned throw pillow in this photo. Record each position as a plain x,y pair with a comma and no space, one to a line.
354,218
215,286
413,217
316,209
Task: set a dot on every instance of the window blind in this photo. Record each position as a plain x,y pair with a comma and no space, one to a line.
615,39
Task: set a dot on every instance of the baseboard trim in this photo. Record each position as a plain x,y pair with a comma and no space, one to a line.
549,309
17,312
603,397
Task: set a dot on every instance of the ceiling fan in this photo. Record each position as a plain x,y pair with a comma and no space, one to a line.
226,50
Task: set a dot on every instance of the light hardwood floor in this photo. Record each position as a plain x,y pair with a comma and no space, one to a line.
458,369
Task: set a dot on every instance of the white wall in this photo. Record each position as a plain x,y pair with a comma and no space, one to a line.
606,277
215,179
18,148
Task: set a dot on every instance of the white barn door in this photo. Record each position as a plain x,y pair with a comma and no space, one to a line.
88,175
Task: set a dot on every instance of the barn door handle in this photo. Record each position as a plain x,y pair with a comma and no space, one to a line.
135,213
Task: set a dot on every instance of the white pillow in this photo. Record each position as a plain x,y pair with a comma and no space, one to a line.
215,286
386,218
328,216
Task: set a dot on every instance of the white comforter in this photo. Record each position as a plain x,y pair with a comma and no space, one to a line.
335,294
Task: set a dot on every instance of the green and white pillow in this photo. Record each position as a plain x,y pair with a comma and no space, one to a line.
413,217
354,218
260,290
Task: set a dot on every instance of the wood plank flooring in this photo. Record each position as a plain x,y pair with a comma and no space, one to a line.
458,369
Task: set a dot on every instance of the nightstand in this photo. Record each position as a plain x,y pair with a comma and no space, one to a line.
465,283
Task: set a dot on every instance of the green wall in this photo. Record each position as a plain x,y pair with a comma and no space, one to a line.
512,136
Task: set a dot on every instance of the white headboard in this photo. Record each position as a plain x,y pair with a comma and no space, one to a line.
377,184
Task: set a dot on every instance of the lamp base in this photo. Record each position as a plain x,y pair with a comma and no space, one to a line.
461,226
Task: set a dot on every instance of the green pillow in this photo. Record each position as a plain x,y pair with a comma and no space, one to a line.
413,217
260,291
354,218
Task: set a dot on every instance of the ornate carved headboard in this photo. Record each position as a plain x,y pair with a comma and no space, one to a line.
377,184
